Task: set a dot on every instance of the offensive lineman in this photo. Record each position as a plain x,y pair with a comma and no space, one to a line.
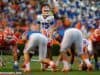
34,39
72,35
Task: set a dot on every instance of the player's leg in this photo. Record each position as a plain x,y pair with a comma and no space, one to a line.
42,51
64,59
26,64
96,50
66,43
49,51
29,45
15,56
20,50
59,59
15,52
79,47
45,62
72,54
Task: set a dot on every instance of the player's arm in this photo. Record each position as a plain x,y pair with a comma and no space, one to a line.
53,26
24,37
37,23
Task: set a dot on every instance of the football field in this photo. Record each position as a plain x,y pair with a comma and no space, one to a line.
36,69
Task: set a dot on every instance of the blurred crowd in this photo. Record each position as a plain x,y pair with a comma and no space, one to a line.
83,13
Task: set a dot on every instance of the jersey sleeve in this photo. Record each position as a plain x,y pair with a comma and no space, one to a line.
52,20
38,19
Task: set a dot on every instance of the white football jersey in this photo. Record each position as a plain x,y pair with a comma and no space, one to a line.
45,23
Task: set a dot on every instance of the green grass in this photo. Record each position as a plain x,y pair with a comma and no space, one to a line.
36,69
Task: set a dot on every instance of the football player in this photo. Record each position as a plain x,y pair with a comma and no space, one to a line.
72,35
95,40
46,23
35,38
11,41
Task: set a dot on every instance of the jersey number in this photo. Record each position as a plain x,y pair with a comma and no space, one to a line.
45,25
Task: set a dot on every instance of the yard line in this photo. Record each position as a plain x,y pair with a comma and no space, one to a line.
10,73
